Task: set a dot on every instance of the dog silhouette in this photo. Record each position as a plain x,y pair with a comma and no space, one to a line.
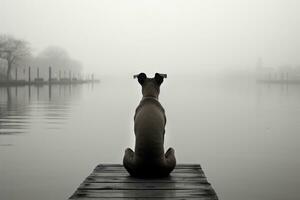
149,159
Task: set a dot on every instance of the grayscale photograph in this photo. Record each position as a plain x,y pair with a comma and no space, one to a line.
149,99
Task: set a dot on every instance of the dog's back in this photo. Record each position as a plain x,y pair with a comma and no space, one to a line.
149,128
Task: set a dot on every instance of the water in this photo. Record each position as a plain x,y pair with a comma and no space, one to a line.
245,136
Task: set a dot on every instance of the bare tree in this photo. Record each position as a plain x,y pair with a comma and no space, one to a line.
12,50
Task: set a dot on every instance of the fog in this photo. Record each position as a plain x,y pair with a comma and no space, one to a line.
244,134
172,36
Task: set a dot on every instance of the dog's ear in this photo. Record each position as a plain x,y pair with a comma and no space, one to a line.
141,78
159,78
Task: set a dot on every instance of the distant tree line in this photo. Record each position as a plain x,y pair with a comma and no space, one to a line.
16,54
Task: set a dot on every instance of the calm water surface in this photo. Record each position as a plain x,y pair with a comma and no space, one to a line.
245,136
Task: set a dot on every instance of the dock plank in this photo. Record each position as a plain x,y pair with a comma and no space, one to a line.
111,181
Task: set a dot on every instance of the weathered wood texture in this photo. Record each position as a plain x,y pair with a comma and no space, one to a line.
113,182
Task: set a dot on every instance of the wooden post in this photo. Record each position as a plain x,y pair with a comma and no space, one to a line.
59,74
38,73
16,74
70,75
93,78
50,75
24,72
29,75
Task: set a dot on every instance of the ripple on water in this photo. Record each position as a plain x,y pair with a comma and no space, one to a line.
20,112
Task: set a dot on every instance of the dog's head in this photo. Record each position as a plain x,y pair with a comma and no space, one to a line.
150,86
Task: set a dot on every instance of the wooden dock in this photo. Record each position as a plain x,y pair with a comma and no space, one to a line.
15,83
113,182
39,81
295,81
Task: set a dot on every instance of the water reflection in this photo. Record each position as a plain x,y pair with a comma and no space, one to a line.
23,107
13,112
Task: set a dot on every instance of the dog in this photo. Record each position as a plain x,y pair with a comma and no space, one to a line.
149,159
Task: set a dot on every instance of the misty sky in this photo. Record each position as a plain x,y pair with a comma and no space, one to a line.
129,36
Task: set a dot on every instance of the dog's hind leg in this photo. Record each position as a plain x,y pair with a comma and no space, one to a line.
170,161
128,161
